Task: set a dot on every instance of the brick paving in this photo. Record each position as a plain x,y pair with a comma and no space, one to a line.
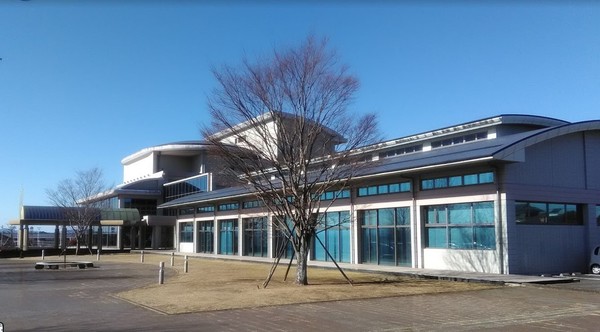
68,300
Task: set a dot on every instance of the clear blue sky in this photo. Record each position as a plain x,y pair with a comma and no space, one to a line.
84,84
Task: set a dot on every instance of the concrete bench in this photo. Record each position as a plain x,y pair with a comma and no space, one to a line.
57,264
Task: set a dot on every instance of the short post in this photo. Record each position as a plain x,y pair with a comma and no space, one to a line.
43,253
172,259
98,254
185,264
161,273
142,256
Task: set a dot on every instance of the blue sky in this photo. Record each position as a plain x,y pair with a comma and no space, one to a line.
86,83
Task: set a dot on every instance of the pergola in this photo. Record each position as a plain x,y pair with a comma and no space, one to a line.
55,216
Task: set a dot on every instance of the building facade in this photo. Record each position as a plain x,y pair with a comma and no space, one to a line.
507,194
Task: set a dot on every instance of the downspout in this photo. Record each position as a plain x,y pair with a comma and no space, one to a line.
500,228
417,246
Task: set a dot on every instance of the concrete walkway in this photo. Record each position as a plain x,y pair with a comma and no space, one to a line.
399,270
81,300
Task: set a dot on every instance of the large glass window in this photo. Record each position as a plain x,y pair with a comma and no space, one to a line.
281,243
543,213
186,187
385,236
255,236
228,237
460,226
146,207
186,232
333,233
205,236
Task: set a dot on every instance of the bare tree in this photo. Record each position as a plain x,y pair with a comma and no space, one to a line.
75,198
278,126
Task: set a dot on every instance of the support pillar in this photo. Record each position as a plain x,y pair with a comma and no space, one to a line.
56,237
90,237
63,238
132,237
20,237
25,238
142,236
99,245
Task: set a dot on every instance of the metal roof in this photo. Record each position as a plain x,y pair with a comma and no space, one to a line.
53,214
502,149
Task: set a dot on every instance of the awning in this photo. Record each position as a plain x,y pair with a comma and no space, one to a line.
126,215
160,220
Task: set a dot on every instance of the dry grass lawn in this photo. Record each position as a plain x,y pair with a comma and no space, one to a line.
218,284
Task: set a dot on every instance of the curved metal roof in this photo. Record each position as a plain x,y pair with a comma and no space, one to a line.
504,148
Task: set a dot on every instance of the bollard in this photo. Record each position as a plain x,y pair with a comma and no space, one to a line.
43,253
142,257
161,273
172,259
185,264
98,254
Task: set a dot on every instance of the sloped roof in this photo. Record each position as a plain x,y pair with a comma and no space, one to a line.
502,149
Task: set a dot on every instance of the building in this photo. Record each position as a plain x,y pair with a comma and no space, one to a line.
508,194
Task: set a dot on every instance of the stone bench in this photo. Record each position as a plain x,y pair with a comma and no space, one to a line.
57,264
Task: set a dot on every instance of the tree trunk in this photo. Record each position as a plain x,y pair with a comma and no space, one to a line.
302,258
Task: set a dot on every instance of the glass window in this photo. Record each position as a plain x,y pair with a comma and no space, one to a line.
469,226
556,213
255,237
386,217
548,213
436,238
427,184
572,215
372,190
383,189
461,238
471,179
205,236
228,235
487,177
385,236
186,232
440,182
459,214
455,181
483,212
333,234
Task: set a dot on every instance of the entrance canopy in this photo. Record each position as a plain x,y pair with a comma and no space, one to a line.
54,215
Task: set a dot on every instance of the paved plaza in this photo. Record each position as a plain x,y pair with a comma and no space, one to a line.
73,299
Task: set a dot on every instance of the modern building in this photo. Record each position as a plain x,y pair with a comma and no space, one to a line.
507,194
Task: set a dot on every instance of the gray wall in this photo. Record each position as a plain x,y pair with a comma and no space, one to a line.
555,170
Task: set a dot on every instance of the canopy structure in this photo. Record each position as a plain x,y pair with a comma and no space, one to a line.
54,215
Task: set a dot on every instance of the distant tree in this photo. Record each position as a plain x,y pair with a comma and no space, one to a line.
75,198
278,125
